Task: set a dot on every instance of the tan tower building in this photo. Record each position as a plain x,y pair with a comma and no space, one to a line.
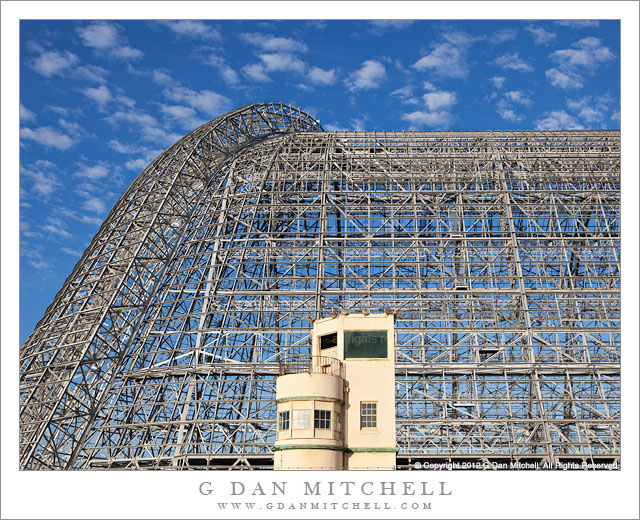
336,410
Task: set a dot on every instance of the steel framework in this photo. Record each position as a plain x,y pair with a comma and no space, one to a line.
499,252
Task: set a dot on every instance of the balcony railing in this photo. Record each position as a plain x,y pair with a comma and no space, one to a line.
305,364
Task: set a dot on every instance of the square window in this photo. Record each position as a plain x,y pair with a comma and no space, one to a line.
301,419
322,419
283,420
368,415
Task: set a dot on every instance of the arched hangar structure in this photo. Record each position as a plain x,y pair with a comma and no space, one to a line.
498,253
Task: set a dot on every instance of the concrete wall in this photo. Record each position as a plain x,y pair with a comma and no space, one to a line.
310,448
368,380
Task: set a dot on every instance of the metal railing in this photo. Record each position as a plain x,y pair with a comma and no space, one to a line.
305,364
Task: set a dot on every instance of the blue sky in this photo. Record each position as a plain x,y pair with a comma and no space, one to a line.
99,100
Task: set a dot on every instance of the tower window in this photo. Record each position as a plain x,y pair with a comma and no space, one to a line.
283,420
368,415
338,422
301,419
322,419
329,341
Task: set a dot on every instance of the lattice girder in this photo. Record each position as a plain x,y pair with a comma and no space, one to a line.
498,250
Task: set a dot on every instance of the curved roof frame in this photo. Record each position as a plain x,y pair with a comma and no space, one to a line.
97,312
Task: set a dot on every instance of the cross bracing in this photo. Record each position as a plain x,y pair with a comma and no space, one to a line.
499,252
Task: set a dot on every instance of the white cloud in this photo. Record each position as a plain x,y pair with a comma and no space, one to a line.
335,127
91,73
406,95
577,24
419,119
126,52
586,56
95,205
148,126
590,115
358,124
540,35
95,221
206,101
40,265
279,55
43,183
72,128
380,26
369,76
505,108
512,61
461,38
101,95
279,62
498,81
185,116
518,96
615,116
52,63
99,35
316,24
557,120
502,36
130,149
126,101
228,74
62,111
193,29
136,164
506,112
58,110
588,53
436,113
26,114
405,92
591,110
275,62
105,37
161,77
564,80
256,71
95,172
47,136
148,154
271,43
55,226
319,76
71,252
446,60
436,101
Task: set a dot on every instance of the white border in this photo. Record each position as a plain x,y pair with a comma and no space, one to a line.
173,494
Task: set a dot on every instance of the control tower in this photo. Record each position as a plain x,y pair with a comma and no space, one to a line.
336,409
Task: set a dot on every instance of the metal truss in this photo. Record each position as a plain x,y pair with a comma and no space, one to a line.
499,252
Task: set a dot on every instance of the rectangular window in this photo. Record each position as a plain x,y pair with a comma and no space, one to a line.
283,420
338,422
301,419
365,344
329,341
368,415
322,419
